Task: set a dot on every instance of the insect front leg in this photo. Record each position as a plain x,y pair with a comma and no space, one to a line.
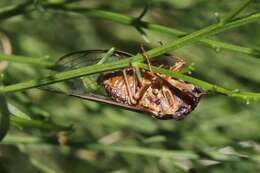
140,83
179,65
146,58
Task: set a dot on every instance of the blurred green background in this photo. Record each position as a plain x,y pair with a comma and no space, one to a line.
221,135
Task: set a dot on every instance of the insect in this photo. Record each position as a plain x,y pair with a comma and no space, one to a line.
157,95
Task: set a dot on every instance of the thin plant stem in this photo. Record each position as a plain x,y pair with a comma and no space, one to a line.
4,117
119,18
204,85
212,29
27,60
39,124
173,154
15,10
126,20
228,17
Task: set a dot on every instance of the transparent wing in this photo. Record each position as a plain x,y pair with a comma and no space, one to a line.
81,88
84,58
88,57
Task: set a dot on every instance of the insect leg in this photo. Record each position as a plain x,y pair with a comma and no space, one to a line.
179,66
180,63
130,92
138,75
146,58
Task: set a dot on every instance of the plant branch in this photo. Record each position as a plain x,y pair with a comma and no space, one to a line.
208,87
119,18
126,20
228,17
27,60
204,32
25,123
15,10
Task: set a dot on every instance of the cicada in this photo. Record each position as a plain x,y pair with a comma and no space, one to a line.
154,94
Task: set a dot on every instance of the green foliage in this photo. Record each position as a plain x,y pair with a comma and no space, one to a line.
221,135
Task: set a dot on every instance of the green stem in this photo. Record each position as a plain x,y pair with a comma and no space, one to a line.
228,17
232,47
123,19
183,40
126,20
4,113
204,85
210,30
14,10
239,22
119,18
21,139
145,151
25,123
27,60
67,75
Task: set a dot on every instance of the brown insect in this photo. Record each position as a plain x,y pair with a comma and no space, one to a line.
158,95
